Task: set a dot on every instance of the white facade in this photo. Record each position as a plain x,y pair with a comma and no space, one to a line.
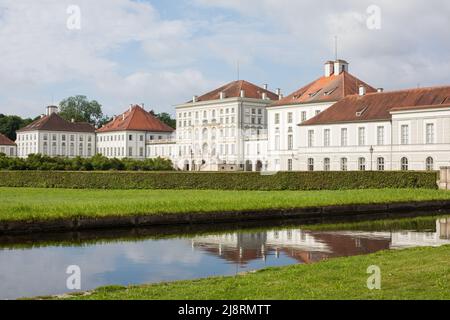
138,145
211,135
413,140
56,143
9,150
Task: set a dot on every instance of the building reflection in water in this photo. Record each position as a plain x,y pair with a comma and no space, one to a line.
313,246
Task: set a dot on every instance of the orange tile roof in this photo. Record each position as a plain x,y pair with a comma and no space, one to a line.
5,141
54,122
325,89
136,119
233,90
378,106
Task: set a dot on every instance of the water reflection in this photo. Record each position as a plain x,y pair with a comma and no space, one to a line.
40,270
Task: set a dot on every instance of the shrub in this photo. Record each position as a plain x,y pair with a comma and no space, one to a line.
98,162
218,181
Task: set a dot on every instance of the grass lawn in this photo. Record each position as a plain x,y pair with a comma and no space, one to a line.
409,274
19,204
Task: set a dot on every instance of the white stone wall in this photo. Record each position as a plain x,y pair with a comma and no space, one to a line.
212,133
10,151
282,122
54,144
129,144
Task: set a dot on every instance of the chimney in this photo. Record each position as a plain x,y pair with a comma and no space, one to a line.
194,99
51,110
362,90
280,97
266,86
329,68
264,96
278,92
340,66
222,95
242,93
380,90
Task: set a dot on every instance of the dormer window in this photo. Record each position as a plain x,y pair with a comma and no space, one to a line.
330,92
313,94
361,111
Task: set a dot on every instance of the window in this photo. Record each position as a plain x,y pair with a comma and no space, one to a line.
362,136
310,164
310,138
141,138
380,164
404,164
290,142
430,133
362,164
326,164
277,143
404,134
290,165
303,116
63,149
344,137
344,164
80,150
430,164
72,149
45,148
277,118
326,138
290,117
380,136
130,151
89,150
130,137
141,152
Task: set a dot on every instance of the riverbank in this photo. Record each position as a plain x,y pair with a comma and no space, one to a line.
408,274
25,210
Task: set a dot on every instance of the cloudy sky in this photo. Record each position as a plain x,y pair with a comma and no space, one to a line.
161,52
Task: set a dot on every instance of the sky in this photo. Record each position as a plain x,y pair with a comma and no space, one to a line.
162,52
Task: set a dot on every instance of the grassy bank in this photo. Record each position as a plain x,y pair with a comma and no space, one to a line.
410,274
25,204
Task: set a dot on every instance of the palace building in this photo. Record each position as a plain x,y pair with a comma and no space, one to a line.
53,136
335,123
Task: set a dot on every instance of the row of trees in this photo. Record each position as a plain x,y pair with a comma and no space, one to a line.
96,163
79,108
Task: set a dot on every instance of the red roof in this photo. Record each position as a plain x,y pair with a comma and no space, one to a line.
5,141
136,119
378,106
325,89
233,90
54,122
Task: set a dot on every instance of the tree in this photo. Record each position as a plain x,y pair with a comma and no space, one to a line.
165,118
10,124
81,109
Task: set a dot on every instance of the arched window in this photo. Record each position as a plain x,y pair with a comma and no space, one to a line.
405,164
344,164
326,164
310,164
362,164
430,164
380,164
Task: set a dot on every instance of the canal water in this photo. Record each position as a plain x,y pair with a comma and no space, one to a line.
37,266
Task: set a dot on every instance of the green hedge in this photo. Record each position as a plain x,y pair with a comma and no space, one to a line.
219,181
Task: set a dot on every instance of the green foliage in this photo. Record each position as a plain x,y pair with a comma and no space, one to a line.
165,118
81,109
37,162
186,180
10,124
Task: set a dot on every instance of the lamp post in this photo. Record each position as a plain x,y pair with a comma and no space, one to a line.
371,158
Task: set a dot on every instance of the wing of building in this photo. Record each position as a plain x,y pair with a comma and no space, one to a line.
284,136
212,128
136,134
54,136
398,130
7,146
